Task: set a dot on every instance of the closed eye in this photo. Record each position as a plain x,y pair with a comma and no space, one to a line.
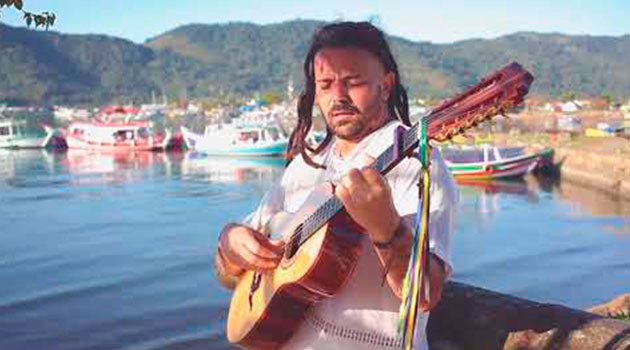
356,82
323,84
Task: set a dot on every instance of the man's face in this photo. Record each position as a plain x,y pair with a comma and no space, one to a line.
351,89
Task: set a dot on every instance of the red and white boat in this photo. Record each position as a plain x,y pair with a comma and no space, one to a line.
122,128
137,135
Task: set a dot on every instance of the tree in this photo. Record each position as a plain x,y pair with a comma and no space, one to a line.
271,97
44,19
609,98
568,96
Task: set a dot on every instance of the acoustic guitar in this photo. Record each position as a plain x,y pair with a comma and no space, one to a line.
323,243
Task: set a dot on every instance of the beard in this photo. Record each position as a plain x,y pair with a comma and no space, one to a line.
357,124
350,130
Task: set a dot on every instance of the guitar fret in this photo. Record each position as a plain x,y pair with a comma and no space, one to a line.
319,217
410,136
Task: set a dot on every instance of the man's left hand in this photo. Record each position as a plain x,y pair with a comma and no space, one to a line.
367,197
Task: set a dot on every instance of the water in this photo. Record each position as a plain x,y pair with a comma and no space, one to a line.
113,251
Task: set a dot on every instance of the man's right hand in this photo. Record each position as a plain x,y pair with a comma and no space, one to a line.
248,249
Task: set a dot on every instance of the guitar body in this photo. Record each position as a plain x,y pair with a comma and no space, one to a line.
268,316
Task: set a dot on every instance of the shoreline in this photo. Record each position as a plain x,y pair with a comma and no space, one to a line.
601,163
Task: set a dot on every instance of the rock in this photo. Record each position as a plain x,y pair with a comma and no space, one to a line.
471,318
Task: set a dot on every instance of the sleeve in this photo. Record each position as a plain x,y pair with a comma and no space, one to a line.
274,199
271,203
443,196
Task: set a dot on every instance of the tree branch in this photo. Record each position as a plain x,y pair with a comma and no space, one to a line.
45,19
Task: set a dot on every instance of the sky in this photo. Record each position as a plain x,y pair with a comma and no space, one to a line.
438,21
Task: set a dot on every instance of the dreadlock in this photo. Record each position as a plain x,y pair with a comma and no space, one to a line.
362,35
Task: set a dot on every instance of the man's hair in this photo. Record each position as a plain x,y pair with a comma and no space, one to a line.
361,35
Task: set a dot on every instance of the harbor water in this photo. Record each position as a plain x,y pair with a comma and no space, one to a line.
114,250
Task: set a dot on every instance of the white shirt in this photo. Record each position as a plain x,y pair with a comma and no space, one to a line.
364,314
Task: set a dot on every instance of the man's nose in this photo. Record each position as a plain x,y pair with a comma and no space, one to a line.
339,90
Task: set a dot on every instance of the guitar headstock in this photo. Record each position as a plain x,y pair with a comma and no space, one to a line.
495,94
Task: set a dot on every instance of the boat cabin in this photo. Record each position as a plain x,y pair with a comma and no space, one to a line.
484,154
245,135
12,128
266,134
111,133
9,129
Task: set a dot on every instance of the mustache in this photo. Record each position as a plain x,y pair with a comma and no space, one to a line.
344,106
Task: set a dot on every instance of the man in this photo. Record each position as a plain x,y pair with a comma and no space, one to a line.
351,75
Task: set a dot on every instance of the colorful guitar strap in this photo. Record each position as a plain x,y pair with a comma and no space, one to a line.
416,282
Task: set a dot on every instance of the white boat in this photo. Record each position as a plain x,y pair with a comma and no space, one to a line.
255,139
17,134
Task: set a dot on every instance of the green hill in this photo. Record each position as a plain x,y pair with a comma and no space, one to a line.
200,60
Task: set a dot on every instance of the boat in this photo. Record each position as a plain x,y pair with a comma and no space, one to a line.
489,162
18,134
247,139
135,135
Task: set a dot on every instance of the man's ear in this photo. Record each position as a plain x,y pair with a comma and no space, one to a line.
388,86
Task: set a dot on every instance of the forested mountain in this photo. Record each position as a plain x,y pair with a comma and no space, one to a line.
199,60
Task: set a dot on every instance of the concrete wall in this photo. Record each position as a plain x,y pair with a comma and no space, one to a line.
471,318
608,173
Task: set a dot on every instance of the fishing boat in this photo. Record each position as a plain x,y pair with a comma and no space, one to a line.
251,139
18,134
136,135
488,162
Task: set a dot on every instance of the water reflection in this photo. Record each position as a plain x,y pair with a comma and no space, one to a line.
90,167
489,196
582,199
261,171
586,199
14,163
80,161
515,187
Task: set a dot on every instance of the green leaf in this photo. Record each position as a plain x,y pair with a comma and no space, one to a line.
18,4
40,20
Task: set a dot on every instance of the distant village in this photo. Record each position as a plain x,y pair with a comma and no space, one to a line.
596,117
